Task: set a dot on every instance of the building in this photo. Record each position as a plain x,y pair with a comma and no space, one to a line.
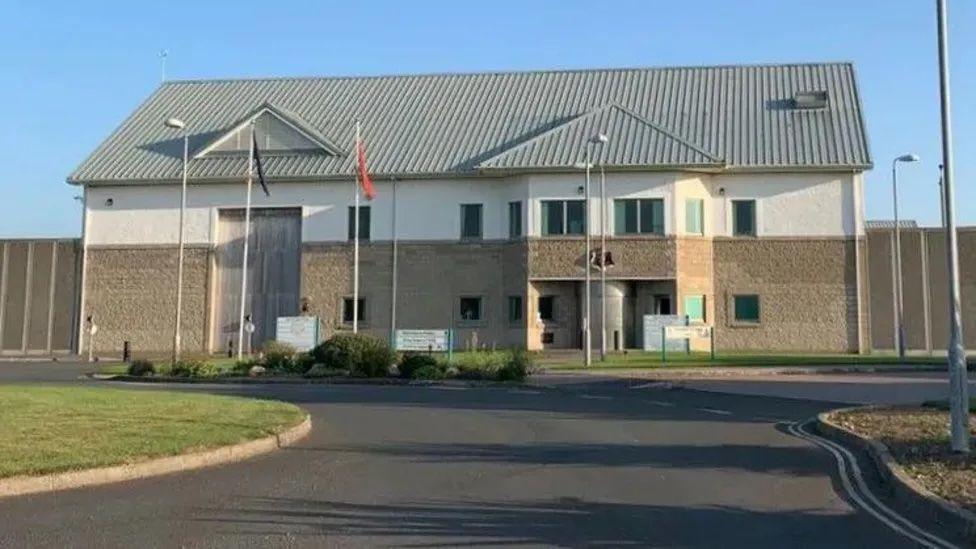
734,195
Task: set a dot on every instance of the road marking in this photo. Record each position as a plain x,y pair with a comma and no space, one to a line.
662,403
447,388
847,462
653,385
524,392
596,397
715,411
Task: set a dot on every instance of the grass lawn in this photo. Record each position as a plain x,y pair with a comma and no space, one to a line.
51,429
642,359
118,368
919,440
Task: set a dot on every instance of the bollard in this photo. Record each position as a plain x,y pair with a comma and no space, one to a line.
126,351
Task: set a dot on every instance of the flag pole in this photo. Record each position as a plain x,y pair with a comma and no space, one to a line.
247,237
393,282
355,245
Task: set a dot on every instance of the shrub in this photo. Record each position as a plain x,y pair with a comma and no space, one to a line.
411,362
206,369
321,370
279,356
186,368
360,354
429,371
480,365
141,367
302,363
243,366
517,368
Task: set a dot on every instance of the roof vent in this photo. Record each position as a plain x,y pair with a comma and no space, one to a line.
810,99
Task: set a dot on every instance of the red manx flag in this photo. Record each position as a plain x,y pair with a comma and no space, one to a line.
364,178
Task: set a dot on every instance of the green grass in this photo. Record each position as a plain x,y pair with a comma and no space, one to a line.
640,359
51,429
119,368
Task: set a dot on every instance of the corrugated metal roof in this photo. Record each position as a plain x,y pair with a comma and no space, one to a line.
741,116
890,224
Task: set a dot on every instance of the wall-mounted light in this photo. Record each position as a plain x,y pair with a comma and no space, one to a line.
110,202
721,191
580,190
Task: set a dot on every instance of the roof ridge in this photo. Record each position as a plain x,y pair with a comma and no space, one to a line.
282,114
669,133
505,72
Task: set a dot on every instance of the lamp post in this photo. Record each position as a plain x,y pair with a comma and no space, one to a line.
178,124
899,306
958,386
602,139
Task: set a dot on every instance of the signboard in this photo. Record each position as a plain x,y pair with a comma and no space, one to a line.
301,332
422,340
651,334
687,332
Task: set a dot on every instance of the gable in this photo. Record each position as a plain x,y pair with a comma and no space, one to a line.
274,132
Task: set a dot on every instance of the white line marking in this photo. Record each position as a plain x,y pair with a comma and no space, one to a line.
653,385
715,411
596,397
447,388
882,513
662,403
524,392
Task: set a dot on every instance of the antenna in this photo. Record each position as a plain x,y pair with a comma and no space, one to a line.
163,54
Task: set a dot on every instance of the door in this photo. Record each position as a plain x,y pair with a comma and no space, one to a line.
273,273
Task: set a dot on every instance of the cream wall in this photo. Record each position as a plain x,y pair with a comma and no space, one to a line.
787,205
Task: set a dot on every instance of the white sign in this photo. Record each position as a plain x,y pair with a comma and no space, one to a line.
301,332
687,332
421,340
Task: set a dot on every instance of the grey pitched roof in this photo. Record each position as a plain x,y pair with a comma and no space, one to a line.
739,116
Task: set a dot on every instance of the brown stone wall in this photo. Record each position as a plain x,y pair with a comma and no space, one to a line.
131,292
695,276
636,257
432,277
807,294
565,328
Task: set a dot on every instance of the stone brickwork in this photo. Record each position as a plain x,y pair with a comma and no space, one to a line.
432,277
637,257
131,292
695,276
807,290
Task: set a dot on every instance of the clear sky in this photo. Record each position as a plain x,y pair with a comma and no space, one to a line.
71,71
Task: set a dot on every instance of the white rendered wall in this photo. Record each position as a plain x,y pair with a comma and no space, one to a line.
787,205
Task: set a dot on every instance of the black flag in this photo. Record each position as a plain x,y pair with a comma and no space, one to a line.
257,161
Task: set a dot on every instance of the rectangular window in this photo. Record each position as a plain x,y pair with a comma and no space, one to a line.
695,308
695,216
563,217
744,218
638,216
746,308
547,308
470,308
347,310
514,219
514,309
471,226
363,222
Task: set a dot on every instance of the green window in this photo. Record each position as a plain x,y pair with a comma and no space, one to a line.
695,216
563,217
363,222
695,308
638,216
514,219
471,226
744,218
514,309
746,308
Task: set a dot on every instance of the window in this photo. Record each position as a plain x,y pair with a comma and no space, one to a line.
639,216
514,309
471,221
470,308
547,308
746,308
563,217
347,310
695,308
363,222
514,219
744,218
695,216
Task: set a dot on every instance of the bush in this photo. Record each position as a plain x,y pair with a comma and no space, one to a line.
321,370
207,369
517,368
411,362
429,371
360,354
243,366
141,367
194,368
480,365
279,356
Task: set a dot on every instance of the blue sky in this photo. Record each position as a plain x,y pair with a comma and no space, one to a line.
71,71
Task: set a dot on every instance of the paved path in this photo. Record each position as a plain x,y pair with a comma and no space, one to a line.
592,463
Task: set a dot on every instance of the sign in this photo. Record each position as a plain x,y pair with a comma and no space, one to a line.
687,332
652,332
301,332
422,340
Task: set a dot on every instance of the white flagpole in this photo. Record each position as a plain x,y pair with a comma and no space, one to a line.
355,245
247,237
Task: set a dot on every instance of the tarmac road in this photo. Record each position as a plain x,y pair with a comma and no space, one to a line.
581,463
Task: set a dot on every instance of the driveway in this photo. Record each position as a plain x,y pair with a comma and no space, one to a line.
582,463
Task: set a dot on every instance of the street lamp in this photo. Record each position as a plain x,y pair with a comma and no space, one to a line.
178,124
602,139
588,166
899,301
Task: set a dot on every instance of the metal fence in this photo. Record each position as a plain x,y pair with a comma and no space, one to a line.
39,281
